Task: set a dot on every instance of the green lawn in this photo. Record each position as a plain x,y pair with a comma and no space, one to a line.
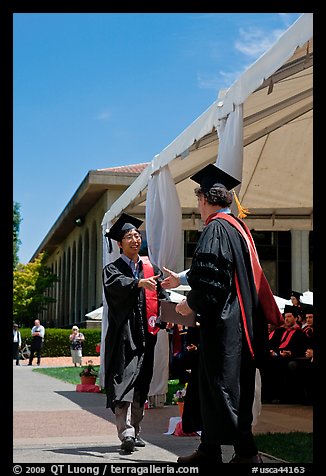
67,374
294,447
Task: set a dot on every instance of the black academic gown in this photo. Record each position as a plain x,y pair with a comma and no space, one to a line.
226,366
129,347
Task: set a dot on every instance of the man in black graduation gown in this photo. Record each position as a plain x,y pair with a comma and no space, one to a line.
233,302
132,289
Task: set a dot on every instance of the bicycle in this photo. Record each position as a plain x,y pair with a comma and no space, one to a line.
25,352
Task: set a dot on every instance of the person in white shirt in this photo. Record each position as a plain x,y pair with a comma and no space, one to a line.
17,343
37,332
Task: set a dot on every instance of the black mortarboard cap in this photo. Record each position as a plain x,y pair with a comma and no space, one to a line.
296,294
211,175
295,310
307,308
124,223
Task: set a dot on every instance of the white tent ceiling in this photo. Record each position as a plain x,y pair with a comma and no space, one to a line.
277,132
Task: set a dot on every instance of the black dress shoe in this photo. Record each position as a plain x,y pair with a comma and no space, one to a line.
256,459
199,457
128,444
139,442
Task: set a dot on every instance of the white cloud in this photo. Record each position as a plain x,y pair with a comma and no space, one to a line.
254,42
103,116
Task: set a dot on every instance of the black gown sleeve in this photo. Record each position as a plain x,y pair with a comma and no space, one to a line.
121,292
211,271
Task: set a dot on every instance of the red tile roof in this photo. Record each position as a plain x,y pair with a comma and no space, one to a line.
125,169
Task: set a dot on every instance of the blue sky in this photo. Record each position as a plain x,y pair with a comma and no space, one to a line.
105,89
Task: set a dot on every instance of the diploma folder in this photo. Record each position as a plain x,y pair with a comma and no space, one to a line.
169,314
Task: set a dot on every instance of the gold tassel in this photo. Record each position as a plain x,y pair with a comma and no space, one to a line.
243,212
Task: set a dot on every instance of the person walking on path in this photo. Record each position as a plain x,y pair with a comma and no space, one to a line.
37,332
17,343
132,291
233,302
76,345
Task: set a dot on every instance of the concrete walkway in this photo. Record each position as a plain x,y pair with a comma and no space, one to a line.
55,424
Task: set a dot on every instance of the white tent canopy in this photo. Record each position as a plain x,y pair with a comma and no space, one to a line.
95,314
307,297
276,93
281,303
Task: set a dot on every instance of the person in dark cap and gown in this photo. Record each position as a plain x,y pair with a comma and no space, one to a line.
233,303
132,291
289,344
301,369
295,298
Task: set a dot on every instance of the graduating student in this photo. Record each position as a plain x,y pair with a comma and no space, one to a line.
233,302
295,298
132,291
287,344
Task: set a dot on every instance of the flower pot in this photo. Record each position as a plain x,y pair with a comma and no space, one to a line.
87,380
180,405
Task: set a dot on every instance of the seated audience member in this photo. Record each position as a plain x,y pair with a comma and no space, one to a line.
302,368
183,361
308,312
285,344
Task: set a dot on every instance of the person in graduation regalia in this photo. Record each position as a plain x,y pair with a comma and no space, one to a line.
287,344
132,291
295,298
233,302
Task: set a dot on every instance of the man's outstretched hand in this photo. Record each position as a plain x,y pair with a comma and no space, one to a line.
171,281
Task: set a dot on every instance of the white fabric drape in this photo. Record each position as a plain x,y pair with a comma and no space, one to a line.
230,160
230,149
163,219
164,234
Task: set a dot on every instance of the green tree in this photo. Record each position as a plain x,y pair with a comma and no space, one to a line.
31,281
16,226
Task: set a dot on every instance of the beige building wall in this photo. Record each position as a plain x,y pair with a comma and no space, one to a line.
78,262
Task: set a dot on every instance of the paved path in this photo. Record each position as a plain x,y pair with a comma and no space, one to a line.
55,424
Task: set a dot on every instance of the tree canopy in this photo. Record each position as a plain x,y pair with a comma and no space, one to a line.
16,226
30,283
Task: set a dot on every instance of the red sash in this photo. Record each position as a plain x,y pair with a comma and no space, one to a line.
150,298
264,292
265,295
271,334
287,336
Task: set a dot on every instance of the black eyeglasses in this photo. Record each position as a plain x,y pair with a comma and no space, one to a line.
132,236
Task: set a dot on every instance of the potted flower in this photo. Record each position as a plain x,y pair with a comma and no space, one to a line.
178,398
88,375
